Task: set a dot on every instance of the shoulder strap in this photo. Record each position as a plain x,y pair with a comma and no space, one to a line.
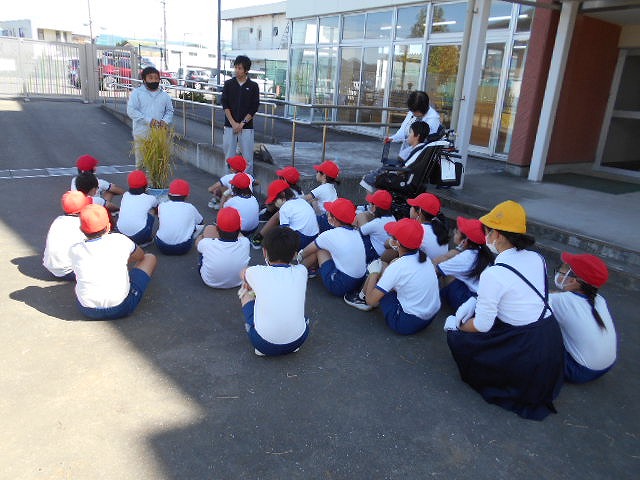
545,297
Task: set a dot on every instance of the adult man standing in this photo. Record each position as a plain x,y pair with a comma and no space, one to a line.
240,101
149,106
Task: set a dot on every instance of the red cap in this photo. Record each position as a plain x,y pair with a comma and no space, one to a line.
290,174
228,220
407,231
86,163
276,188
93,218
588,268
427,202
473,229
73,201
179,188
380,198
238,163
343,209
241,180
137,179
329,168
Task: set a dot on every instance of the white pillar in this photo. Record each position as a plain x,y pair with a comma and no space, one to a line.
561,46
475,50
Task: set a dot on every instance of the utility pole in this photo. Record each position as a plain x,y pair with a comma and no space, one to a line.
90,21
164,31
218,53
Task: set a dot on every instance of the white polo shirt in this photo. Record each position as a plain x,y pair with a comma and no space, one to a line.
133,212
415,283
325,192
430,244
298,215
586,342
377,233
460,266
502,294
223,261
177,221
63,233
100,265
249,210
346,248
278,313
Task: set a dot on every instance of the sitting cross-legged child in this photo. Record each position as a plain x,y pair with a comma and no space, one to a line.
237,164
223,251
327,176
177,220
371,223
106,190
137,210
273,297
243,200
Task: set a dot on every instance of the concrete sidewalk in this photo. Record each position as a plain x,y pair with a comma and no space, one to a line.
175,392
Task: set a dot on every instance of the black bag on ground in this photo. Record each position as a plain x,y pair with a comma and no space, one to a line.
261,154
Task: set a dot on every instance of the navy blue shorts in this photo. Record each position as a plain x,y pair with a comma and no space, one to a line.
323,223
398,320
263,346
576,373
144,235
456,293
337,282
139,281
369,251
305,240
177,249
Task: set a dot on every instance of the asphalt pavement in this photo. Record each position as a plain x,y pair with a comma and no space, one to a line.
176,392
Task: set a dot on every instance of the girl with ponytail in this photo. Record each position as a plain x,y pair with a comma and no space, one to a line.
588,333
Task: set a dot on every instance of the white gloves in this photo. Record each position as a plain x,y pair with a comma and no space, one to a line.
375,266
464,313
299,257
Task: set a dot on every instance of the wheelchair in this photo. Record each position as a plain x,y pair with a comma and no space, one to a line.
408,182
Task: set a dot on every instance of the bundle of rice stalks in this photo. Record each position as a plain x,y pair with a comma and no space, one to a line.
157,151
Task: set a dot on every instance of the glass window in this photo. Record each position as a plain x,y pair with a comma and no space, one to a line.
328,30
374,78
499,15
510,104
353,27
628,97
326,71
349,87
304,31
449,18
378,25
411,22
301,77
525,17
405,76
487,95
442,72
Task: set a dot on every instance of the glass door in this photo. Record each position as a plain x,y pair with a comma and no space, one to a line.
619,140
349,87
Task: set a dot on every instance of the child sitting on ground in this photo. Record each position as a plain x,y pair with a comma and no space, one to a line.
273,297
291,211
177,221
105,288
223,251
462,266
236,164
371,223
326,174
137,210
426,209
106,190
87,183
291,175
338,252
63,233
407,290
588,333
242,199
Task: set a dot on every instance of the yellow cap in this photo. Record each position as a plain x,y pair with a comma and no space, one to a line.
507,216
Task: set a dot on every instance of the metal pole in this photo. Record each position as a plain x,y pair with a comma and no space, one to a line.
213,122
324,135
273,113
184,118
218,47
293,137
164,31
90,22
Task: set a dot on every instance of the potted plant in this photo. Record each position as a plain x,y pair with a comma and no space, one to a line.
157,150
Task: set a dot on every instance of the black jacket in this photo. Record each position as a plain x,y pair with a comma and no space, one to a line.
241,100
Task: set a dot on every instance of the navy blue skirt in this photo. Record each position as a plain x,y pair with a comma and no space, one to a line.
517,368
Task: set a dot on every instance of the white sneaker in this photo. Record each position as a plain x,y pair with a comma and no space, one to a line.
258,352
198,230
366,186
214,203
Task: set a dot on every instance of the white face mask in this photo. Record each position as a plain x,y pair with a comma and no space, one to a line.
279,202
492,247
556,280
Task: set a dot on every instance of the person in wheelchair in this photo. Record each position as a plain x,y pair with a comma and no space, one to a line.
419,111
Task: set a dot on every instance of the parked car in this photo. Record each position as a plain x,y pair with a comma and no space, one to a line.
264,84
197,78
111,66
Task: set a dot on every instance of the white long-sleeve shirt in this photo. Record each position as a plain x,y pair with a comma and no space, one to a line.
145,105
432,118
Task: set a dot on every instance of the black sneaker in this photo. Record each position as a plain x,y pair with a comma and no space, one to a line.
353,299
256,241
